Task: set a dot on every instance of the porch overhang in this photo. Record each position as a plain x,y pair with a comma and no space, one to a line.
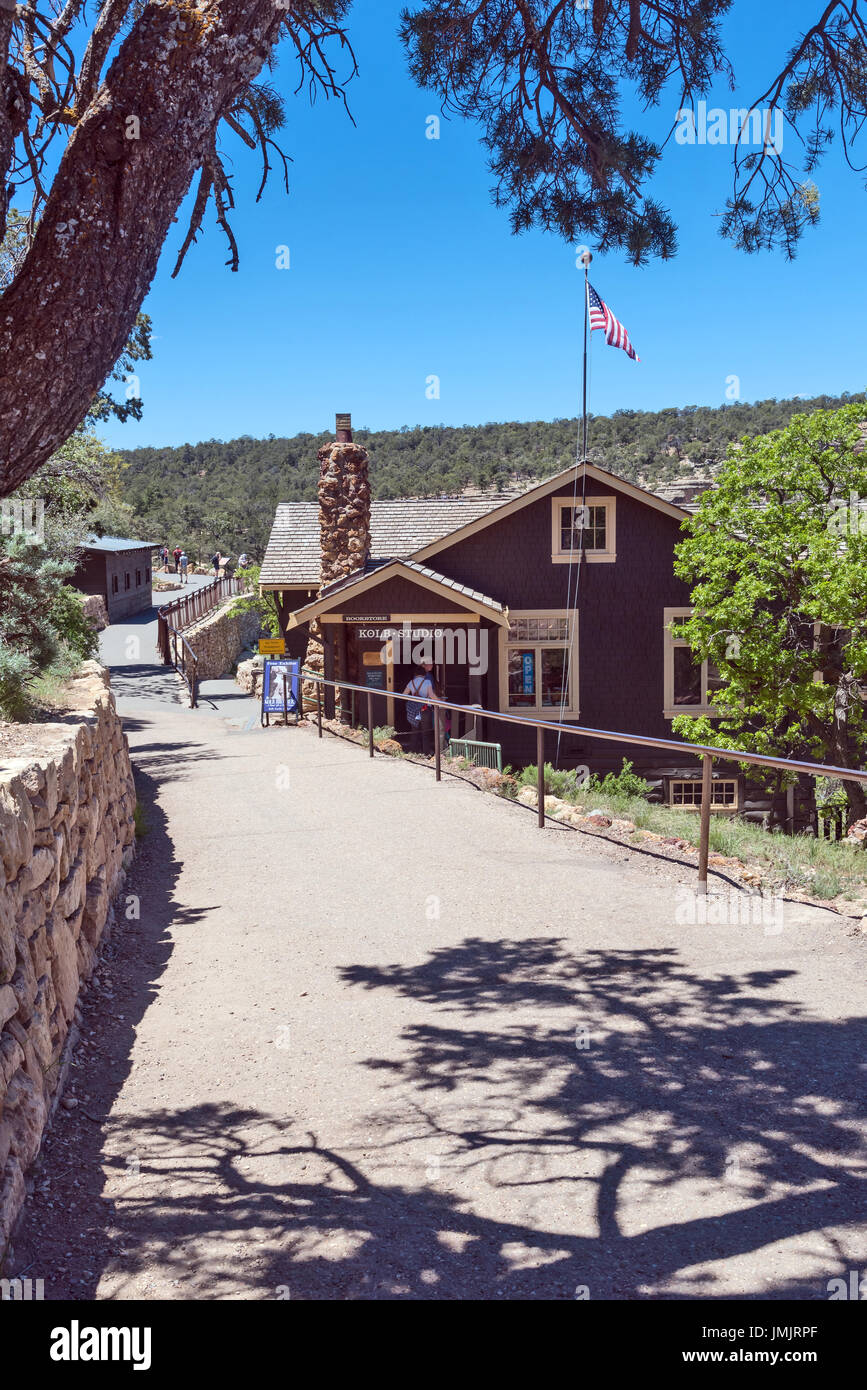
467,602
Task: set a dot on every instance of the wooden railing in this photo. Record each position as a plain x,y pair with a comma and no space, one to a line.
182,612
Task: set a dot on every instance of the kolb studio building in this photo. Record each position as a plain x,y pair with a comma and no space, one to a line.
558,601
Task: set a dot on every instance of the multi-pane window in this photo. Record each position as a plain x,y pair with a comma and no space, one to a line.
689,684
114,583
138,579
539,671
586,527
126,580
588,523
686,793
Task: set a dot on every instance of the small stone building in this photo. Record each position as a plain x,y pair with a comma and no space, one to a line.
120,570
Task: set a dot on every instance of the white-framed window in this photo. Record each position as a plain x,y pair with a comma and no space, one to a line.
684,793
539,663
590,526
689,684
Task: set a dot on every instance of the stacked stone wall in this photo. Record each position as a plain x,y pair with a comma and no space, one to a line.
66,838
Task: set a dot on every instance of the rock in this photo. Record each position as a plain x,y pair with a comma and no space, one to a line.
598,819
390,745
16,827
527,797
857,832
8,1004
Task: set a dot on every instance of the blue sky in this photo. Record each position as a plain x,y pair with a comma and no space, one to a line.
401,268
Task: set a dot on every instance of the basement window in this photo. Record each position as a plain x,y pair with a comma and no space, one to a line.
588,527
685,793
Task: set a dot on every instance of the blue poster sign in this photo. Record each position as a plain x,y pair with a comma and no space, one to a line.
528,675
272,687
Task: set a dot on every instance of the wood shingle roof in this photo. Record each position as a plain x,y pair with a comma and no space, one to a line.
398,528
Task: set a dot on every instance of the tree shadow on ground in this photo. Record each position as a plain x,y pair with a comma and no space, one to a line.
620,1073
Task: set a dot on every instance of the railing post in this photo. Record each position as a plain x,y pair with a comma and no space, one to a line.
319,706
437,735
540,775
370,721
704,835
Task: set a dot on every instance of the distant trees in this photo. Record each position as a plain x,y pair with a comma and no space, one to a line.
777,560
216,493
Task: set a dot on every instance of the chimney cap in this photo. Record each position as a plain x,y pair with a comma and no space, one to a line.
344,428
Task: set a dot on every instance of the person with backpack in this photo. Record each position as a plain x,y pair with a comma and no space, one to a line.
419,712
176,555
215,564
183,563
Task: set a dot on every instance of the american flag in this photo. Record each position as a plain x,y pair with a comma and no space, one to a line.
602,317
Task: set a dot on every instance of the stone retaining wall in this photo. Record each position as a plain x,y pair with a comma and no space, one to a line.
66,838
218,639
95,609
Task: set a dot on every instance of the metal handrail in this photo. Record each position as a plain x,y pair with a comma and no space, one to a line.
706,752
192,682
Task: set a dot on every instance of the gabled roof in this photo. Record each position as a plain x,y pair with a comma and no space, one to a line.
375,572
397,528
114,544
418,527
545,488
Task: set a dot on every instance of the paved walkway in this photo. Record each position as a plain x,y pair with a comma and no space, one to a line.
378,1038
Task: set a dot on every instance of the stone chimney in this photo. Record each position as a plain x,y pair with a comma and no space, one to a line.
344,504
344,531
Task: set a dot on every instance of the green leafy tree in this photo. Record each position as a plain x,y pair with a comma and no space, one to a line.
777,559
255,602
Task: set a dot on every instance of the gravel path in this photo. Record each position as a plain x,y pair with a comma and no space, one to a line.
377,1038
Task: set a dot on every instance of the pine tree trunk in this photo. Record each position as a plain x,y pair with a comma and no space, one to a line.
69,312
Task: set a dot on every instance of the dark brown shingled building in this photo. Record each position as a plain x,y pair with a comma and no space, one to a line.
569,601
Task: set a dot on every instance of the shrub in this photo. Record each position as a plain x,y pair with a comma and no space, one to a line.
622,783
66,616
261,604
565,783
16,702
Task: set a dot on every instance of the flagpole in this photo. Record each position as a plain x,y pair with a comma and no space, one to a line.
586,258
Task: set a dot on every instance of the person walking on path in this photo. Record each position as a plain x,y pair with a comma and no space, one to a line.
165,558
183,564
243,561
215,564
176,555
419,713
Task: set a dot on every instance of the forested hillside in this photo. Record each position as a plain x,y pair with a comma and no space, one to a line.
223,494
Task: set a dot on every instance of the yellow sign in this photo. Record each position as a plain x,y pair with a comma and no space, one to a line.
272,646
371,659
